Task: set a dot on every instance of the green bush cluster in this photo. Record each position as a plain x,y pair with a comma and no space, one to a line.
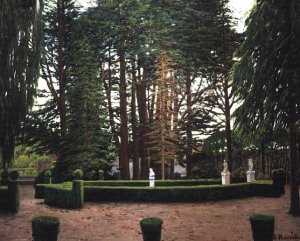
10,197
278,176
26,172
179,193
67,195
45,228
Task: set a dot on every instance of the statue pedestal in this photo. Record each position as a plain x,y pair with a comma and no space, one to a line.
250,176
225,178
151,182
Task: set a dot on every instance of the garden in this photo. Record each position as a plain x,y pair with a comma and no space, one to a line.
153,120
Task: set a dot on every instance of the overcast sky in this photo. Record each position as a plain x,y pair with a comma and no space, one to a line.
240,9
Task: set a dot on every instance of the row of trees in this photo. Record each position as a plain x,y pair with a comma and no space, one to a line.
146,79
139,77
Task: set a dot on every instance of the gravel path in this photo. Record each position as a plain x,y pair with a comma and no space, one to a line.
208,221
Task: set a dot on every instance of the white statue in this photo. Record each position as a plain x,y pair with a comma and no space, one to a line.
151,178
250,164
225,165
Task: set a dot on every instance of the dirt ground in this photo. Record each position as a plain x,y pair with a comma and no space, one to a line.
208,221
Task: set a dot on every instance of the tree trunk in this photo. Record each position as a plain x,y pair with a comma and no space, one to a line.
189,134
61,66
228,128
142,109
123,158
134,123
294,165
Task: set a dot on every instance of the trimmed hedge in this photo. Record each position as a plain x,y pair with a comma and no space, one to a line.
45,228
158,183
66,195
179,194
10,197
262,227
151,228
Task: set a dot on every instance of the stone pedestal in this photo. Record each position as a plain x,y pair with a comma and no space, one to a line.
250,176
225,178
152,182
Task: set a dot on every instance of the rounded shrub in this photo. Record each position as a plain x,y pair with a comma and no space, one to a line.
14,175
4,174
48,173
45,228
262,227
4,177
78,174
151,228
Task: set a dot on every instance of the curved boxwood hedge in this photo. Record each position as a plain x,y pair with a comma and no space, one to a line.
158,183
178,193
66,195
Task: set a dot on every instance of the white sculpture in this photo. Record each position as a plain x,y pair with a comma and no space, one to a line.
151,178
225,165
250,164
225,174
250,173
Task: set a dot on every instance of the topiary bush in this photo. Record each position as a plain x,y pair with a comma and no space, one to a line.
45,228
278,177
14,175
10,197
78,174
66,195
4,177
47,178
151,228
262,227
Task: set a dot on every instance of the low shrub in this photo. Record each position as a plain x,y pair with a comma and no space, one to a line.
78,174
10,197
262,227
45,228
26,172
179,193
14,175
66,195
158,183
151,228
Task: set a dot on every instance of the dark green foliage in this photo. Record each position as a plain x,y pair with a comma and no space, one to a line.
65,195
100,175
40,178
45,228
48,179
4,177
20,29
78,174
178,194
262,227
14,175
151,228
279,178
238,175
39,190
10,198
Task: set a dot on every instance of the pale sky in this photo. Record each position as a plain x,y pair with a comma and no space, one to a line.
240,9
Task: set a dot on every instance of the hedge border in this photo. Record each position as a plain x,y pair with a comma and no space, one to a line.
10,197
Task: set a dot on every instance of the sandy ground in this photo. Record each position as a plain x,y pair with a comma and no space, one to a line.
208,221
